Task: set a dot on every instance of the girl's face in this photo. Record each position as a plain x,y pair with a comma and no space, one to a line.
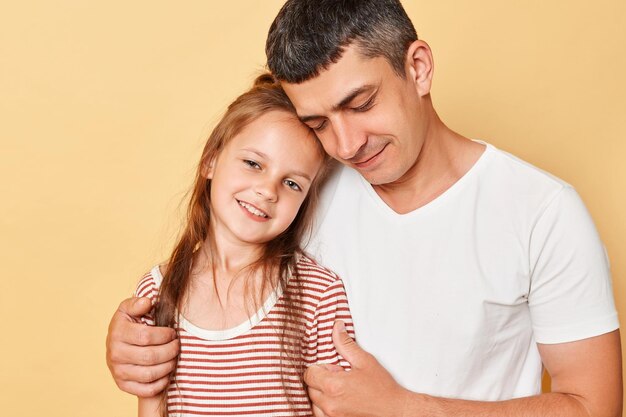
261,178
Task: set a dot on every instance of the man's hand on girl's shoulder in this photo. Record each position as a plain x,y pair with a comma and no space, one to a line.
140,357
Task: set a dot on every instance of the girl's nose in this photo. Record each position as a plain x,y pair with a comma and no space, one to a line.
266,190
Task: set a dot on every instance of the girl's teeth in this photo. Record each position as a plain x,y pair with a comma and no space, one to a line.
252,209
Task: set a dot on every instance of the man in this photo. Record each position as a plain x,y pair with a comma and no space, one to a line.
467,269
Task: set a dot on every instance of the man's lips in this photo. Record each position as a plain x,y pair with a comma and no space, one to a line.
369,161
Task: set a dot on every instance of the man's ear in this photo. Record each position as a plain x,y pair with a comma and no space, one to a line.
420,66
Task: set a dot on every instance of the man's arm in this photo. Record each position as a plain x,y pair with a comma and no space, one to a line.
150,407
140,357
586,382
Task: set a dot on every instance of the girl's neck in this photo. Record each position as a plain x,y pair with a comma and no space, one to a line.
229,257
223,294
226,257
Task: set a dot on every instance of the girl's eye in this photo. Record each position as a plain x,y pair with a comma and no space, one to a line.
293,185
252,164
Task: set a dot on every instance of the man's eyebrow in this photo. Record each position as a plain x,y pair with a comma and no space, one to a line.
344,101
352,95
305,119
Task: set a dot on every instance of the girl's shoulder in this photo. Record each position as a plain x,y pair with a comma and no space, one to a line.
310,271
149,284
319,286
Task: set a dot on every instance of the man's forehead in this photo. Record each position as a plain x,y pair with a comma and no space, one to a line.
351,74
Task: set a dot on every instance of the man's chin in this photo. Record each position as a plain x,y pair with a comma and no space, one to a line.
377,177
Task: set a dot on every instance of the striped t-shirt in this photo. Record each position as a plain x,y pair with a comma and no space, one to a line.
237,372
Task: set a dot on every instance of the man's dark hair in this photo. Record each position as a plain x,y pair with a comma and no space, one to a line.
309,35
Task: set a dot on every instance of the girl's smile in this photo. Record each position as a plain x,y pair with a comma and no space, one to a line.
254,212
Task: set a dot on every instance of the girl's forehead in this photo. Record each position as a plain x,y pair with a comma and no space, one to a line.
277,117
275,127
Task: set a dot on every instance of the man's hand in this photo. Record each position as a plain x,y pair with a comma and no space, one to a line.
140,357
586,381
366,390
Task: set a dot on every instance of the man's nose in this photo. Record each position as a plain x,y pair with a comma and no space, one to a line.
349,139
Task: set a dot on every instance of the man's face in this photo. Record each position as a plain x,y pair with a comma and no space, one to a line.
365,115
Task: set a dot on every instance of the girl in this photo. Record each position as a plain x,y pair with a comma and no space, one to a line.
250,308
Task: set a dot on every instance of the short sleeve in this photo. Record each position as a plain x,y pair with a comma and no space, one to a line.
571,296
332,306
147,287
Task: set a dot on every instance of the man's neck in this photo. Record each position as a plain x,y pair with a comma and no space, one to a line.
445,157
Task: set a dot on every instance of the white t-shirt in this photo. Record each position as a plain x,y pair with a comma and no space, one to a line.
453,297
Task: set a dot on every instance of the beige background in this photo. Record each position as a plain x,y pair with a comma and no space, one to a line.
103,107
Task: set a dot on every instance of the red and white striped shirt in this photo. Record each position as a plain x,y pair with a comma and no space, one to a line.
237,372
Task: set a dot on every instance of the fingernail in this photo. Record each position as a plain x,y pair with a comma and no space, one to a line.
341,326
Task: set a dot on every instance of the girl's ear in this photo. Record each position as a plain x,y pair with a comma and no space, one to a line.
207,169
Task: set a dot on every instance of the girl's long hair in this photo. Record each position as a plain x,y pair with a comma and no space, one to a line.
277,263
